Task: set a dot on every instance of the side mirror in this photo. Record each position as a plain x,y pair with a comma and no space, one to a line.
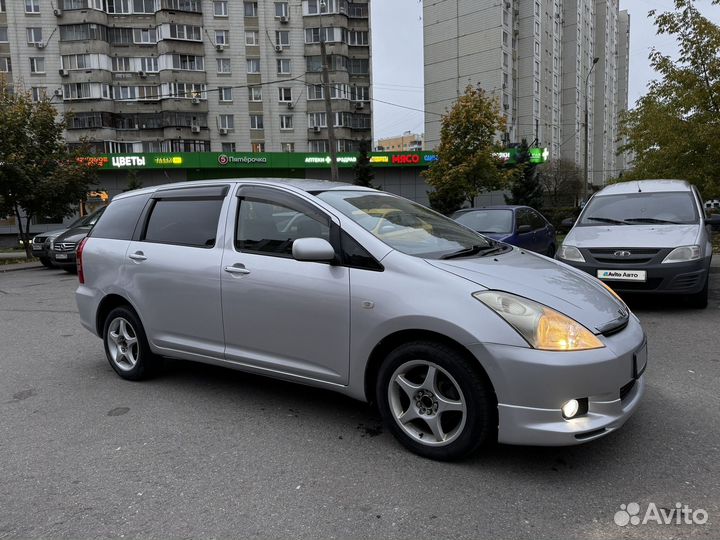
522,229
568,222
313,249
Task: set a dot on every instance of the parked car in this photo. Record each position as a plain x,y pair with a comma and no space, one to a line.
41,242
650,236
62,247
459,339
520,226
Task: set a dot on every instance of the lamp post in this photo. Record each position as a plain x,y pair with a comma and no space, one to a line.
587,130
334,176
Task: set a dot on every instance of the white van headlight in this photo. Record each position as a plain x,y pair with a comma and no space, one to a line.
683,254
570,253
542,327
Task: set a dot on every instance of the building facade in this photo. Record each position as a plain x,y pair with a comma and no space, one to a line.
194,75
408,141
535,57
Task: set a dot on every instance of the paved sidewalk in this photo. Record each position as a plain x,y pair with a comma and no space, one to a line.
11,254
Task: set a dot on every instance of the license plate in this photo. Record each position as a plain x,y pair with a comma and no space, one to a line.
640,360
622,275
61,255
37,248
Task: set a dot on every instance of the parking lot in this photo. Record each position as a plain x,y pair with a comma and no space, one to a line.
204,451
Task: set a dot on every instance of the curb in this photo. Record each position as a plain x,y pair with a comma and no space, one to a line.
21,266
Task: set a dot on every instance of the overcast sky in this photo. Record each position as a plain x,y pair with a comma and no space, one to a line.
398,57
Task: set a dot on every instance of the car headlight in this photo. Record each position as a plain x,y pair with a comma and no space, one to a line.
570,253
611,291
542,327
683,254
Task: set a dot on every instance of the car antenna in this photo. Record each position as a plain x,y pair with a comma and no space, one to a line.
639,188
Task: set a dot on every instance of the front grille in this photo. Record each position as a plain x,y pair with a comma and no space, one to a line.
64,246
630,255
625,390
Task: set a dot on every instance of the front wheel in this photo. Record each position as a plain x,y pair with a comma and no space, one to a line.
700,300
46,262
435,402
126,345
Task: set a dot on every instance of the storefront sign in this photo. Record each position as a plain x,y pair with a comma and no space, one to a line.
128,161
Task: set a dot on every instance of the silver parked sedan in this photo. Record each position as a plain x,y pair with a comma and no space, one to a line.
459,339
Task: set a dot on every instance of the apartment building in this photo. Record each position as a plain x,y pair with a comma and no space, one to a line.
407,142
535,57
194,75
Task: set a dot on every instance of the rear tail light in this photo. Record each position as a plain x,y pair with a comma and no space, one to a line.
78,258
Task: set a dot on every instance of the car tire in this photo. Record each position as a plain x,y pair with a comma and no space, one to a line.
700,300
550,251
126,345
46,262
436,402
70,269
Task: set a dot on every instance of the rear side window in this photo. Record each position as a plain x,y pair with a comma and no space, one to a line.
185,222
536,220
119,220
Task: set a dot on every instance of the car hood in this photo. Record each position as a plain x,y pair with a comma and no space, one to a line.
549,282
50,234
73,235
633,236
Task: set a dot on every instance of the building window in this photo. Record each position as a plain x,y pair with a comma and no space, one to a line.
317,120
220,8
228,147
5,65
34,35
281,9
226,121
253,65
318,146
2,6
257,147
358,37
251,9
282,38
3,34
32,6
505,37
287,147
251,37
223,66
222,37
225,94
256,121
285,94
286,121
186,32
283,66
506,59
38,93
255,93
537,48
37,64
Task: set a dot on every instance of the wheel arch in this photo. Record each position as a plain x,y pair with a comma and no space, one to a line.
107,304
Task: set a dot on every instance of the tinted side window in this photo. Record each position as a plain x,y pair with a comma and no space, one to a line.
522,217
270,227
185,222
536,220
119,220
357,256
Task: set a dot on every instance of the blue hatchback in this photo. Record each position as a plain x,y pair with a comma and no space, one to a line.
520,226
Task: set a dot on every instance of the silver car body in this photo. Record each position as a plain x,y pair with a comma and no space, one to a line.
320,324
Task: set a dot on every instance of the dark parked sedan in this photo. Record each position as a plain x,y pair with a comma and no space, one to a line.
62,248
520,226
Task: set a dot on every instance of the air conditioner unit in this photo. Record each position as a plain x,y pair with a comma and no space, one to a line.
41,45
142,74
223,131
316,129
195,129
58,92
291,105
278,48
359,105
63,72
284,19
220,47
57,12
196,101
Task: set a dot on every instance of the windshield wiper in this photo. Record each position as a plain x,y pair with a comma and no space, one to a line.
650,220
606,220
473,250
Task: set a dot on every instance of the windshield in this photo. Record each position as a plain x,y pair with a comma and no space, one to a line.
640,209
406,226
487,221
90,219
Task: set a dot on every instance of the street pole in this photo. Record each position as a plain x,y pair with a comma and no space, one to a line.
587,131
334,176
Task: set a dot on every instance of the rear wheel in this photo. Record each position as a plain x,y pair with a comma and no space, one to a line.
126,345
435,402
700,300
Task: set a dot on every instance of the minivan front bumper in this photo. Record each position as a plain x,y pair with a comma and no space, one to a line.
531,386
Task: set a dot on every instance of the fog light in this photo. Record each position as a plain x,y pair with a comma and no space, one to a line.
570,408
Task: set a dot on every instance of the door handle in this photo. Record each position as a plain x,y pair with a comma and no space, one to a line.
237,269
137,256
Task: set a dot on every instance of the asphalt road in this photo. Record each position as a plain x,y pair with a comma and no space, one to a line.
207,452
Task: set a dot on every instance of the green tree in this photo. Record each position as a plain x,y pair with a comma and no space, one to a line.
39,175
525,186
364,174
466,165
134,181
674,129
561,181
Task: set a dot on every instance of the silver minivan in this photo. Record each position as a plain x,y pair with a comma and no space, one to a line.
647,236
459,339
